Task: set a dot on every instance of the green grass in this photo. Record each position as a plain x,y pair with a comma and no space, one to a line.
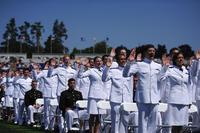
11,128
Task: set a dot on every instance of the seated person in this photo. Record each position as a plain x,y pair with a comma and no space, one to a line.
30,101
67,103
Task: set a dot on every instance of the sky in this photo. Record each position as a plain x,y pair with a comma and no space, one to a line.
124,22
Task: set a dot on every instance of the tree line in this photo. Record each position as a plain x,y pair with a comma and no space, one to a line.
26,38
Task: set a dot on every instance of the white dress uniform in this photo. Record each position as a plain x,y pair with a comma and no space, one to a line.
24,86
147,93
107,86
96,92
195,72
83,85
49,92
16,98
9,88
177,112
64,74
121,91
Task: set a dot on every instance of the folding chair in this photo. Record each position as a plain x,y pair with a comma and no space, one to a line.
82,104
162,107
105,119
39,101
129,107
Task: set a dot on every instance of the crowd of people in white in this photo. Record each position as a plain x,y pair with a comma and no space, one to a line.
118,78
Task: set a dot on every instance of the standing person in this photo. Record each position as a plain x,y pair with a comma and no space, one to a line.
64,72
195,73
96,92
18,75
167,62
25,85
9,88
83,84
49,91
107,83
121,91
30,101
67,103
177,77
147,93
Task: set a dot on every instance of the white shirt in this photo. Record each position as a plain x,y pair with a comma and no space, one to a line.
147,86
96,83
24,86
64,74
121,88
178,85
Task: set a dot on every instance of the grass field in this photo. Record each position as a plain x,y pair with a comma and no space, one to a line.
11,128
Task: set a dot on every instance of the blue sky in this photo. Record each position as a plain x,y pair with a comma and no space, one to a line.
127,22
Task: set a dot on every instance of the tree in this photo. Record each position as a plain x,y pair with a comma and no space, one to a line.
36,31
100,47
55,45
10,37
24,37
187,51
161,50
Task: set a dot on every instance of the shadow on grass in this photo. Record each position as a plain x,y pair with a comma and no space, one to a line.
6,127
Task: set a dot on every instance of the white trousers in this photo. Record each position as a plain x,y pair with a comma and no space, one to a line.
49,112
119,118
32,110
198,106
16,108
70,115
21,113
60,118
148,117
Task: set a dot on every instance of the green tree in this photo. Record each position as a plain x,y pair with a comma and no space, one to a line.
24,37
36,30
54,44
161,49
10,37
187,51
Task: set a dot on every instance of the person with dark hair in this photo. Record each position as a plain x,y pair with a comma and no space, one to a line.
63,72
49,90
177,77
30,101
195,84
104,58
121,50
147,93
24,83
67,103
121,91
107,84
9,87
173,51
96,91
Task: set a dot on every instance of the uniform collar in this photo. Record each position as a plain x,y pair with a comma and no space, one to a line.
71,90
147,60
120,67
180,68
